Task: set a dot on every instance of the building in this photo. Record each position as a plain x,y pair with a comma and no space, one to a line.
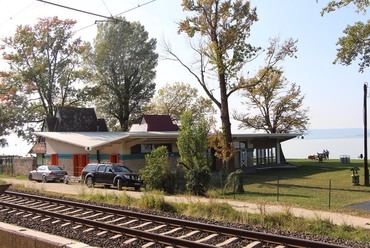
73,148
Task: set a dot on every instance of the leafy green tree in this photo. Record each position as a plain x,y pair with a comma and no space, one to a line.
156,173
123,63
175,99
43,73
223,26
193,148
279,106
355,44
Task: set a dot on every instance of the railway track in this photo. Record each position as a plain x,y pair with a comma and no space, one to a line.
134,229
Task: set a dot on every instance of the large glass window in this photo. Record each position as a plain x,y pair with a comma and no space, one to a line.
264,156
148,148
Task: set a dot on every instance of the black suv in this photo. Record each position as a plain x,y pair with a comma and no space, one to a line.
111,174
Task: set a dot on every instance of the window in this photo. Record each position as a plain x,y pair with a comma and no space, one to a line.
101,168
147,148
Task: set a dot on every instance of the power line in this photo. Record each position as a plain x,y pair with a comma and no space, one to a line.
16,14
90,13
138,6
79,10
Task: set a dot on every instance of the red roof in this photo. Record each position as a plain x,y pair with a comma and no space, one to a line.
159,123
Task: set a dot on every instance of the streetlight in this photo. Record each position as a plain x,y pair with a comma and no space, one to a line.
366,169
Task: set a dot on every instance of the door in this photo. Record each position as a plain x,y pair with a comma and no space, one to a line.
99,174
109,174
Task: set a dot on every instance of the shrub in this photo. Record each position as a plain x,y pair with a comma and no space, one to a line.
197,181
193,148
156,173
235,180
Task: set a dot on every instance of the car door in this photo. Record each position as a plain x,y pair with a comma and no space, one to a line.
109,174
38,174
99,174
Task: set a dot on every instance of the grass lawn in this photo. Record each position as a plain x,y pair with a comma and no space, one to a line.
309,185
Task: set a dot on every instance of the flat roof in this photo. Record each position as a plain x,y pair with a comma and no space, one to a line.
96,139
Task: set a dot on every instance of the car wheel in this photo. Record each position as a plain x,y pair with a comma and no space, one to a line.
89,182
119,184
137,188
65,180
43,179
30,177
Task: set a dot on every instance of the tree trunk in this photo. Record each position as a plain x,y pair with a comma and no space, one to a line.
225,117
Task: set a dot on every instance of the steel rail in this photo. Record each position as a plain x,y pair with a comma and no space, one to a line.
118,229
235,232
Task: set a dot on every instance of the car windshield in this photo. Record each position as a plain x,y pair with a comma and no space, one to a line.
54,168
118,168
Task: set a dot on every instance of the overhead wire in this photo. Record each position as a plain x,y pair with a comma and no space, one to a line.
16,14
90,13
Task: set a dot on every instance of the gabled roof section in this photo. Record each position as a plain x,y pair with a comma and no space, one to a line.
102,126
49,124
73,119
158,123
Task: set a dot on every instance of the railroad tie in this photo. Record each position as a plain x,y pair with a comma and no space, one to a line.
142,225
112,221
156,228
172,231
207,238
116,236
101,233
255,244
189,234
130,241
227,242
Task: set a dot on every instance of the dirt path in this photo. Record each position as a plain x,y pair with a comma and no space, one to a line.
76,188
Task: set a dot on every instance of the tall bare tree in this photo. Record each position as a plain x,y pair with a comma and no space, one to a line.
279,105
223,26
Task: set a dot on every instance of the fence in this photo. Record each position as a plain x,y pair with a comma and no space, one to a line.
6,165
324,193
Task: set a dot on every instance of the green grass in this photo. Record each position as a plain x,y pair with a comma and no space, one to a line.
305,186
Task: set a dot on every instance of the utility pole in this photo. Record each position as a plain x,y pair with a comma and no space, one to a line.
366,169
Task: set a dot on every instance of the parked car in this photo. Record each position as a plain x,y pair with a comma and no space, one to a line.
46,173
109,174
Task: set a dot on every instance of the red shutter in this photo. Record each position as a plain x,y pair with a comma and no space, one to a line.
114,158
75,164
54,159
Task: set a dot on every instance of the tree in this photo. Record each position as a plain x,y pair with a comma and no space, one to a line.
193,148
224,27
175,99
44,71
279,107
123,62
356,40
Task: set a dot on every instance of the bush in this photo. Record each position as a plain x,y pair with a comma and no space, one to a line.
197,181
235,180
156,173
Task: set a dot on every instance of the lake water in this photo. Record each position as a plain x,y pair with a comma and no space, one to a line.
338,142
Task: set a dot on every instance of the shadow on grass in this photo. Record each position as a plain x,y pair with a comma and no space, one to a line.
251,193
289,186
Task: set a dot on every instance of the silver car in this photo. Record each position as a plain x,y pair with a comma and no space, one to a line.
46,173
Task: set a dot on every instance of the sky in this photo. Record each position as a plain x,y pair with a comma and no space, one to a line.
333,93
